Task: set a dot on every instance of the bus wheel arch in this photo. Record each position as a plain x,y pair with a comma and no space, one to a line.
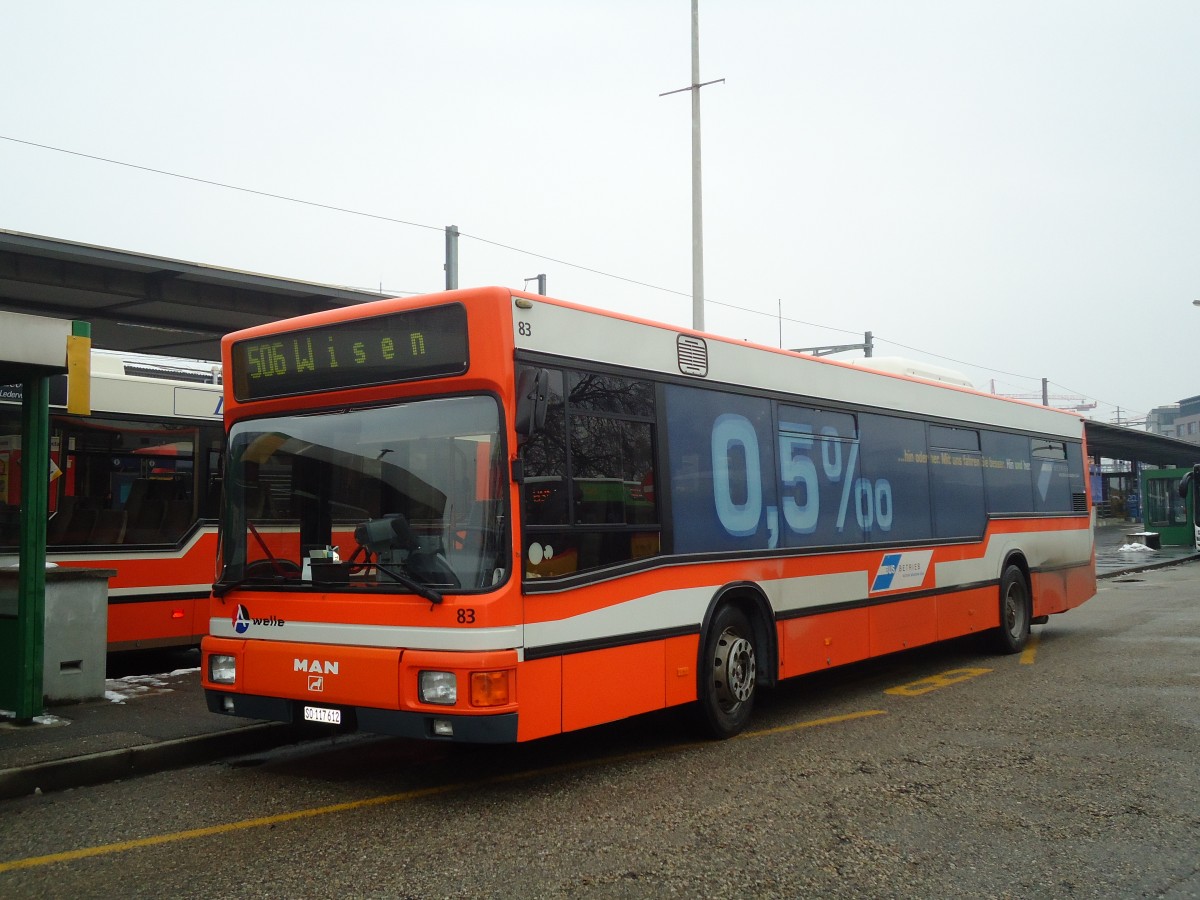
1015,597
737,656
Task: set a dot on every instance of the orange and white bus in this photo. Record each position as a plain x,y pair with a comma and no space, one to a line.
133,487
485,515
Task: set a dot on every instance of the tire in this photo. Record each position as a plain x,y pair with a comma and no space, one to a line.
727,675
1016,612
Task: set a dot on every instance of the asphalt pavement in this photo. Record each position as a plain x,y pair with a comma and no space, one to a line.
151,723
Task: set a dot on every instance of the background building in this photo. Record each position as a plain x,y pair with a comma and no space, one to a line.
1180,420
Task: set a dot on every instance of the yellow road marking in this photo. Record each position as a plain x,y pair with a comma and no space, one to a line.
1029,657
813,723
936,682
420,793
122,846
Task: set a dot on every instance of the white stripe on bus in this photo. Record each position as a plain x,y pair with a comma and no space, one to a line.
398,636
682,608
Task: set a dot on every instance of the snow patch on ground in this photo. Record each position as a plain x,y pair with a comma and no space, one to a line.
118,690
8,714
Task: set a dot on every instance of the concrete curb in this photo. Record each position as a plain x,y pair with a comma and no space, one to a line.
1162,564
146,759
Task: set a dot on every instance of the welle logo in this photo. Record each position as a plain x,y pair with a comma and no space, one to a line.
242,620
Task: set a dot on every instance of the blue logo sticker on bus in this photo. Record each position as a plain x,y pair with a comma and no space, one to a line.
901,570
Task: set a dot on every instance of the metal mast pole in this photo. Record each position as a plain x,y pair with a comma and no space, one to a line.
697,203
451,265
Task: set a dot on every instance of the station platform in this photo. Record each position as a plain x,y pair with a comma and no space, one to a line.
151,723
145,723
1117,554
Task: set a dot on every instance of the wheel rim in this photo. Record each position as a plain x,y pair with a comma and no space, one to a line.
1014,610
733,669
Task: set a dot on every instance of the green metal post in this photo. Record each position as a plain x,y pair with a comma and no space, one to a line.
31,589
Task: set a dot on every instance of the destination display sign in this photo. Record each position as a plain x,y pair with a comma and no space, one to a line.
402,346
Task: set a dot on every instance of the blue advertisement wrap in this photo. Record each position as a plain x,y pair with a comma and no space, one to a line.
722,490
743,480
747,474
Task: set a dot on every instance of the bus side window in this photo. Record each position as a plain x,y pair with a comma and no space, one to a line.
588,493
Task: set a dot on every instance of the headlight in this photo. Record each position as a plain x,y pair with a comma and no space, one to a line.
439,687
222,669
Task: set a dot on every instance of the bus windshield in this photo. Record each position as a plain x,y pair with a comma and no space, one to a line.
390,497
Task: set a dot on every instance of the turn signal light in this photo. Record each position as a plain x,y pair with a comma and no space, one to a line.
490,688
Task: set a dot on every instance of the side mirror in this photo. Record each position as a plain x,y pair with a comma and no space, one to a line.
532,398
1186,481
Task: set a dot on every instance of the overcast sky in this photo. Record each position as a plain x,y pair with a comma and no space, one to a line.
1010,189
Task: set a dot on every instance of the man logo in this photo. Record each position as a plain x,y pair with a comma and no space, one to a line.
316,682
315,665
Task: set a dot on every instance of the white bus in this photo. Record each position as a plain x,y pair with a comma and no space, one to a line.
133,487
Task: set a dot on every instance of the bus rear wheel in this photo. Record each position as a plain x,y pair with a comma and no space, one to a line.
728,673
1016,611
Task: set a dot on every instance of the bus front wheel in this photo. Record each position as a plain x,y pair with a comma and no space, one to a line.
1015,611
728,673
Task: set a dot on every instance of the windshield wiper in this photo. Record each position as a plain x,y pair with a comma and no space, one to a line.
412,584
221,588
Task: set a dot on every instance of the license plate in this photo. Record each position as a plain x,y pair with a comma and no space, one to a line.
321,714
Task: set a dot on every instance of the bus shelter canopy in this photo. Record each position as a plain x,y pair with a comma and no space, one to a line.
1117,442
149,304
